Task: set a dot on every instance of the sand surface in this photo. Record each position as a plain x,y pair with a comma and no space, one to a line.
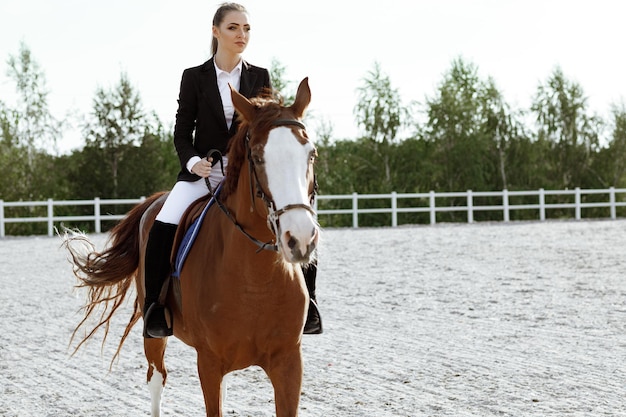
521,319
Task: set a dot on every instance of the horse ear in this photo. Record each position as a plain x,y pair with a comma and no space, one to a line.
303,98
245,108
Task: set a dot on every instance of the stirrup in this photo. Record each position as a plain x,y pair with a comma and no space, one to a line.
158,321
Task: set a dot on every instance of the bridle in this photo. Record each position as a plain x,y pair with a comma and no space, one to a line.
273,217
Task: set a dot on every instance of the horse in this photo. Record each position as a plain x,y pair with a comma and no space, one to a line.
242,299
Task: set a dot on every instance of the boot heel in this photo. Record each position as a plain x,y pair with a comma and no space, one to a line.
313,323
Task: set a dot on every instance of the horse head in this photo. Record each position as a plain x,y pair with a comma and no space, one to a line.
281,160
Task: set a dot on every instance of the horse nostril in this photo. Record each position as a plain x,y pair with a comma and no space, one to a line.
292,242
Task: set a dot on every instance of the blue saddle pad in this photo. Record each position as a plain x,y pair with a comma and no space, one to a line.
190,236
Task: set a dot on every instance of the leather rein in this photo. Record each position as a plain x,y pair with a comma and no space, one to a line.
273,217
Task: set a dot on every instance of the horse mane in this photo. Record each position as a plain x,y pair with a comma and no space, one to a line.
269,107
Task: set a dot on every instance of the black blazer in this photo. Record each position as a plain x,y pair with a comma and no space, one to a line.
200,110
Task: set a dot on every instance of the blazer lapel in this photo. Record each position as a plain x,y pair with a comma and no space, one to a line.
246,87
248,79
210,91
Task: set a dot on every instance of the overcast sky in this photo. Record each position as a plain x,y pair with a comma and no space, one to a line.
84,45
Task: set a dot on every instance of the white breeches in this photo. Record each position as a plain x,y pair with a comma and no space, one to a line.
184,193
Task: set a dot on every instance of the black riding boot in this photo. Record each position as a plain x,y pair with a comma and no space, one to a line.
313,323
157,269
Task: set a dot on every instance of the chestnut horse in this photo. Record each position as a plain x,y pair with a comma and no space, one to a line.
244,302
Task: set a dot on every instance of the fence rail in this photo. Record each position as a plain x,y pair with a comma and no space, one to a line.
612,202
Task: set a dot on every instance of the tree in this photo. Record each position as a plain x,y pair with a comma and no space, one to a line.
155,158
27,131
464,122
35,127
279,83
117,123
562,120
380,114
610,162
618,145
8,126
379,111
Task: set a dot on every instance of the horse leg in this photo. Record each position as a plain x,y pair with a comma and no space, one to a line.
157,374
286,376
211,377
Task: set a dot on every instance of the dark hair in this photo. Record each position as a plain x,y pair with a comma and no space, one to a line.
220,14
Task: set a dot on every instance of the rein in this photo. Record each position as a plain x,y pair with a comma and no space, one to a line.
215,196
273,214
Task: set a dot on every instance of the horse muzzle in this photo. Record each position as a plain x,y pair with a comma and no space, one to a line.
297,233
299,250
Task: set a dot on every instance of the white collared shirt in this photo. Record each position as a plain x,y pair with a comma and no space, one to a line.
223,79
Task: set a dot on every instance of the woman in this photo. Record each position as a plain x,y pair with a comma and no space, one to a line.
205,106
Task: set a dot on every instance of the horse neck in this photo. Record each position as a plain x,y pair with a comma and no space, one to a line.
250,212
262,266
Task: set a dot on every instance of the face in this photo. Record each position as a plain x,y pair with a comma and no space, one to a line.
233,33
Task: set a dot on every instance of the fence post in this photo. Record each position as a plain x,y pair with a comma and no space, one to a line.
50,218
431,204
505,205
355,210
394,209
1,218
577,199
612,201
542,204
96,215
470,207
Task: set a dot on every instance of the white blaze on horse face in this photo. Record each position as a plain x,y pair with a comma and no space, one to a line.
286,166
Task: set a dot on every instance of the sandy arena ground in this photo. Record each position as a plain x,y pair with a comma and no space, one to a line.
522,319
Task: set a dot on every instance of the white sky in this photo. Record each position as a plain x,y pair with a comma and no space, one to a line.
83,45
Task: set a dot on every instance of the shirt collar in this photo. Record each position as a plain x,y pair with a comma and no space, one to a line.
235,71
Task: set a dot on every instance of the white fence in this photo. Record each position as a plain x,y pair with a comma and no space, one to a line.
610,201
50,218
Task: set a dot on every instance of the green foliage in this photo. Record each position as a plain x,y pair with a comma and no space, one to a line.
150,167
379,111
279,83
380,114
34,126
27,171
472,139
608,166
563,121
470,127
117,124
8,126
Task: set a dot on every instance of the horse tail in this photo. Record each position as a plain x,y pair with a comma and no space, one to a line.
108,275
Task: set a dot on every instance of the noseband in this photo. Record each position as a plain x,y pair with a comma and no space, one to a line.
273,217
